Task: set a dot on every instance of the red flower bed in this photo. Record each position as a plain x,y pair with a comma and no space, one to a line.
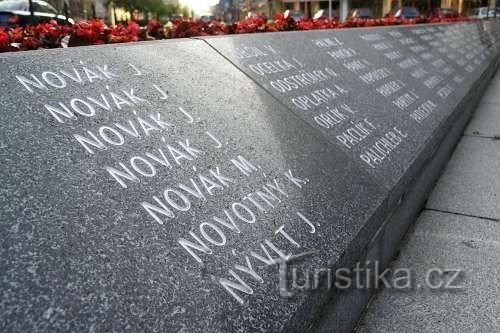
95,32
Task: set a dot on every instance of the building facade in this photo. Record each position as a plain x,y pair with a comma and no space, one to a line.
341,8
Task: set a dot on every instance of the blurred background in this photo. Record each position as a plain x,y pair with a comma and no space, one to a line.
230,11
235,10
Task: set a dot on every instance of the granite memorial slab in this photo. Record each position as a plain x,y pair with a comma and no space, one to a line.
157,187
379,94
154,187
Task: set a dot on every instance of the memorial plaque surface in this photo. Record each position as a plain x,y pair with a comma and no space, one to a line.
154,187
378,94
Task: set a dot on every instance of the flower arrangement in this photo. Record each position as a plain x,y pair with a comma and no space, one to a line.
255,23
95,31
87,33
32,37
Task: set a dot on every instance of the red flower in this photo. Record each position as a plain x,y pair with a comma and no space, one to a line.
305,24
17,34
324,23
4,40
390,21
252,24
118,34
186,29
283,22
50,34
155,29
88,32
155,25
279,16
134,29
31,43
218,28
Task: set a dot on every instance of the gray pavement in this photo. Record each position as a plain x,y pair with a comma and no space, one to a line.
458,230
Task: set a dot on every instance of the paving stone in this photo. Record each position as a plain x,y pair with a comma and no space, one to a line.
470,184
443,242
496,78
485,121
492,95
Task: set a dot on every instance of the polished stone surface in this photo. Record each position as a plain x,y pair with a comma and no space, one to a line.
379,94
155,187
170,120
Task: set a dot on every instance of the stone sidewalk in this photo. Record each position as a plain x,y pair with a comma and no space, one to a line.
459,229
